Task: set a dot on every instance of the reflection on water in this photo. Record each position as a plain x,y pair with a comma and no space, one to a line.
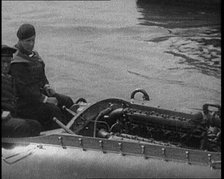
176,15
194,31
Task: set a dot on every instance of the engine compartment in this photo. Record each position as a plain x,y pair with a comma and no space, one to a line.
120,120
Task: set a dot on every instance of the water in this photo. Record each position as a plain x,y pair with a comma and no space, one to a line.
102,49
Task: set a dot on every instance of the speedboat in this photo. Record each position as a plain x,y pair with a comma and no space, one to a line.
116,138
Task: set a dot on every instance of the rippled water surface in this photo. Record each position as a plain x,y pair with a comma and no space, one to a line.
102,49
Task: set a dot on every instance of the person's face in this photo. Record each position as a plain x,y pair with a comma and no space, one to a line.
28,44
5,61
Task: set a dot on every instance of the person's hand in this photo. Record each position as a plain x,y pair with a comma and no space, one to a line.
6,115
52,100
50,92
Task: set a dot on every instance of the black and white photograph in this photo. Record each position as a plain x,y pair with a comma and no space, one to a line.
111,89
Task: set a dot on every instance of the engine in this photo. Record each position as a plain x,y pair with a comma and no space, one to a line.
121,120
151,126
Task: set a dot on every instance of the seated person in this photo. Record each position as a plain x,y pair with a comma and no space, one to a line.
18,127
36,99
12,126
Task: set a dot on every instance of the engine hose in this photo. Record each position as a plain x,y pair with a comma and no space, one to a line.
102,113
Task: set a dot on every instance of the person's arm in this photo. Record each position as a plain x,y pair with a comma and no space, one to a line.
25,86
45,80
46,85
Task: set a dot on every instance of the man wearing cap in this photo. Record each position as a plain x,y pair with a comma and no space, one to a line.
11,125
36,98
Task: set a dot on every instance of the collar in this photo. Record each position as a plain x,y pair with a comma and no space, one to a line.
31,55
6,75
24,51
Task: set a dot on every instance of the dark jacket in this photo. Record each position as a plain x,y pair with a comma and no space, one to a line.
30,78
8,101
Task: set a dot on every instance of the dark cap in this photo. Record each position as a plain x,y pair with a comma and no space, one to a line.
8,51
25,31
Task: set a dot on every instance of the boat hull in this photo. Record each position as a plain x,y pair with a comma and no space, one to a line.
54,161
